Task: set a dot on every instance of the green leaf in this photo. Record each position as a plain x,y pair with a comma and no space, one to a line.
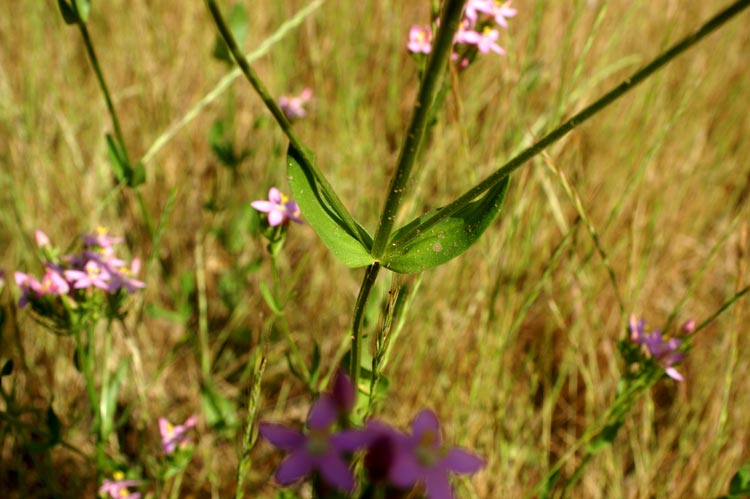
110,401
237,21
322,217
84,7
68,14
740,483
269,298
412,249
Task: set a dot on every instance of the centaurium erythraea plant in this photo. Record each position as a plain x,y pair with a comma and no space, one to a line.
392,458
278,207
294,106
119,487
175,437
665,350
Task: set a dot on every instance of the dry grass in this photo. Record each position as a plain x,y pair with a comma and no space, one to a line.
515,350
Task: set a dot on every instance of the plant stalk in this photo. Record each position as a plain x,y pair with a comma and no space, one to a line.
415,132
355,356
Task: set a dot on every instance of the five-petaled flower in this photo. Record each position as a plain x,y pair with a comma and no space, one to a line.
174,436
279,208
421,457
320,449
665,350
420,40
294,106
119,487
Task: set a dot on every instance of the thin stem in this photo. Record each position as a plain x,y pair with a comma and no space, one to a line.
371,274
604,101
247,440
103,85
200,282
419,119
281,119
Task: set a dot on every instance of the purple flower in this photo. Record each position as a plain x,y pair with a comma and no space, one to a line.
123,278
319,450
421,457
279,208
118,488
293,107
173,436
665,351
420,40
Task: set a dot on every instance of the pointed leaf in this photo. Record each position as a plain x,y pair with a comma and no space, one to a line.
119,164
412,249
237,20
69,15
322,217
269,299
84,6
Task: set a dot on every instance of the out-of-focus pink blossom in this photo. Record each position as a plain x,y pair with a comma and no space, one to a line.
294,106
420,40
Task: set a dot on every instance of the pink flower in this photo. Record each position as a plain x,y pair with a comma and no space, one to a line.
293,107
41,239
665,351
93,275
485,41
174,436
118,488
420,40
279,208
502,11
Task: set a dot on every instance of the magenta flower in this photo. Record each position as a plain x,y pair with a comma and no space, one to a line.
101,238
666,352
279,208
118,488
293,107
52,283
420,40
502,11
94,274
484,41
421,457
319,450
173,436
123,278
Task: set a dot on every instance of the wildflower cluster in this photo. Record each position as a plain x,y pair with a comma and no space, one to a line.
73,280
477,33
664,350
394,462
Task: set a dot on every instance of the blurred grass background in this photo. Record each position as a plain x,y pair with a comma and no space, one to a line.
513,344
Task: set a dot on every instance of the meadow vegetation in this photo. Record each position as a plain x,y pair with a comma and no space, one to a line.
642,210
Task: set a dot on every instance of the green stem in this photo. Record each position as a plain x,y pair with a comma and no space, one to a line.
415,132
102,84
607,99
281,119
371,274
247,441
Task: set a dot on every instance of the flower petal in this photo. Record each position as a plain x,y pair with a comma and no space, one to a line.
281,436
275,217
350,440
674,374
462,461
336,472
294,467
274,195
405,471
323,413
437,484
425,421
263,206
